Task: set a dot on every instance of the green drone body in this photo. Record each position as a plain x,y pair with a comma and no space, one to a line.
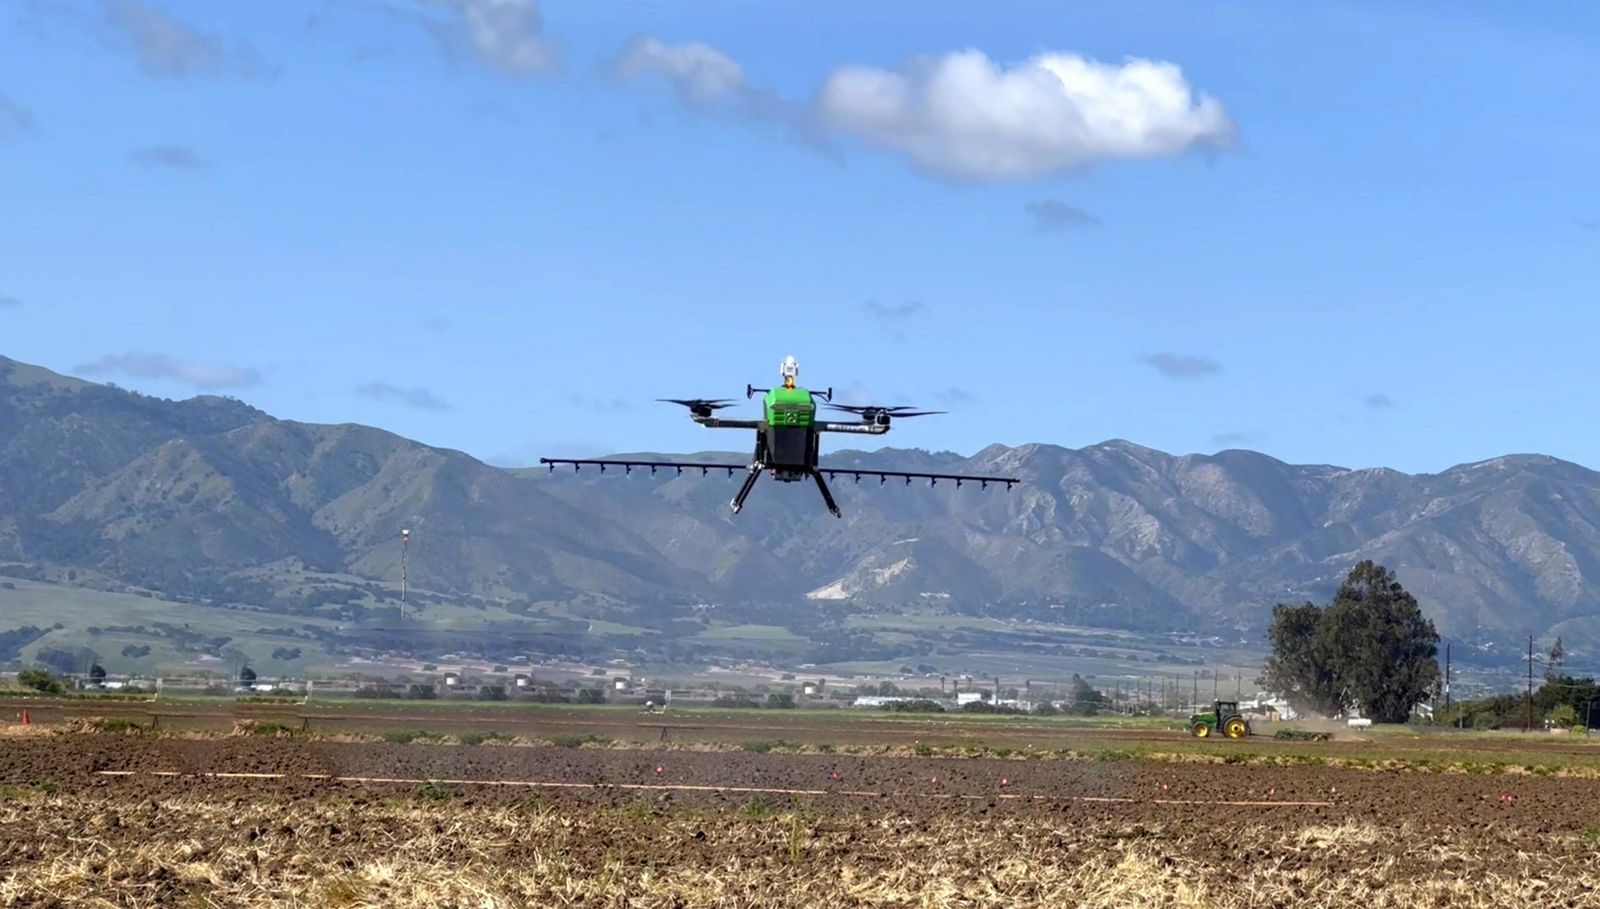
789,407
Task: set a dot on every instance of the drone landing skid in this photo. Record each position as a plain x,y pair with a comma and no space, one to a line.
756,470
749,484
827,497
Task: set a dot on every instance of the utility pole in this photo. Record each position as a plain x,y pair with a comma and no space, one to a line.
1238,684
1196,686
1447,676
1529,726
405,544
1213,684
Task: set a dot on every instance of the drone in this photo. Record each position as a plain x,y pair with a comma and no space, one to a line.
788,439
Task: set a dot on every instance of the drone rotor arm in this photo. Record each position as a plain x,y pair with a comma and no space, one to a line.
718,423
869,429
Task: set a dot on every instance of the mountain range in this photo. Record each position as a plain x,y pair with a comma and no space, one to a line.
211,500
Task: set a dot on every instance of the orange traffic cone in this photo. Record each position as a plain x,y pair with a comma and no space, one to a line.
24,717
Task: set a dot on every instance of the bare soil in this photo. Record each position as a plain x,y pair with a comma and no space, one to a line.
255,766
145,820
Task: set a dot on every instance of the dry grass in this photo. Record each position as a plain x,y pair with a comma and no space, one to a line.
94,851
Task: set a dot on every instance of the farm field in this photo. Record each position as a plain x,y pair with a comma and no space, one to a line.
1152,737
1139,817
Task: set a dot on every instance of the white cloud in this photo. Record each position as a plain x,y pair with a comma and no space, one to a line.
701,74
168,156
706,79
168,48
505,35
1056,215
963,116
162,366
896,312
419,398
1182,366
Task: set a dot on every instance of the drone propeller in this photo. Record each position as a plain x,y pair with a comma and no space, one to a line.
869,412
880,416
700,407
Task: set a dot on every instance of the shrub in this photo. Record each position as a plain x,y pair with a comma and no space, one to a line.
758,808
734,700
435,792
1563,716
39,680
920,705
1300,735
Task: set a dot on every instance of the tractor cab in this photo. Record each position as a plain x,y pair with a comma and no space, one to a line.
1224,717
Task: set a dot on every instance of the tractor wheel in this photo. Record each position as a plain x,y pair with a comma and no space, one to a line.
1235,727
1200,730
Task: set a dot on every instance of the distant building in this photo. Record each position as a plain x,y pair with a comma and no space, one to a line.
873,700
1271,709
964,698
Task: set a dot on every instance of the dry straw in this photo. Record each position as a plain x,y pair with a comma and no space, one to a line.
437,849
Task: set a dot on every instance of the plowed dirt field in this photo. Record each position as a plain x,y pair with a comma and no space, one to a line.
145,820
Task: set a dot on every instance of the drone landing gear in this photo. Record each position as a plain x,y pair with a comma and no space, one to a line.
749,484
827,497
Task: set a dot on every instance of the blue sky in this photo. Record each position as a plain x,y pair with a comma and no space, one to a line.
1353,233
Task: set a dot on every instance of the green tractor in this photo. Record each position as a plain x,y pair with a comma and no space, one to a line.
1224,718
